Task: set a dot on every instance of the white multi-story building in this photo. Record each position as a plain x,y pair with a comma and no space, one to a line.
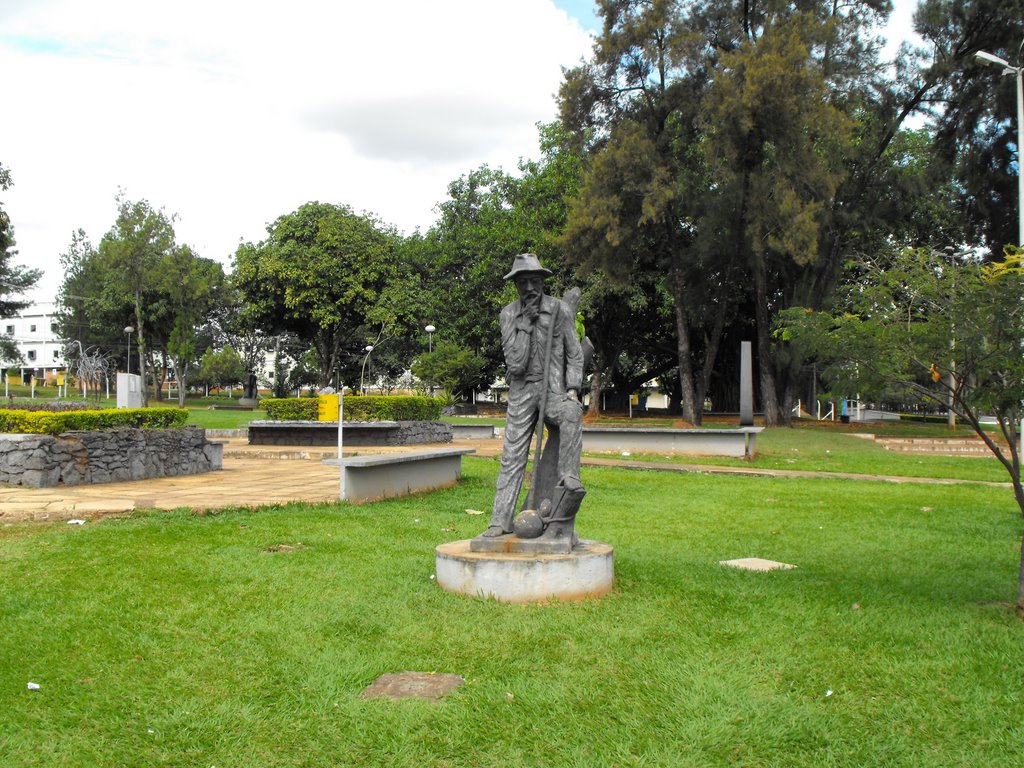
34,330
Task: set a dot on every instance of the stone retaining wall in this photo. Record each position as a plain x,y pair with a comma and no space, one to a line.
82,458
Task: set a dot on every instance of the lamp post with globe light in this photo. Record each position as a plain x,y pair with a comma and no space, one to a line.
368,350
1018,71
430,347
129,330
987,58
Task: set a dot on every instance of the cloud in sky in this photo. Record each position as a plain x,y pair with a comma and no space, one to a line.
230,114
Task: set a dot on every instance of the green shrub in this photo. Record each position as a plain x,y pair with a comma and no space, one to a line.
399,408
367,408
290,408
41,422
50,406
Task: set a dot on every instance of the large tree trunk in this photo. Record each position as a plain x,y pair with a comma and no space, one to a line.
594,409
770,405
688,396
711,353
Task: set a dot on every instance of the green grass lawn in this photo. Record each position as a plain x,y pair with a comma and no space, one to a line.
171,639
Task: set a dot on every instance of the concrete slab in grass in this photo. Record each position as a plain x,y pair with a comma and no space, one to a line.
415,685
756,564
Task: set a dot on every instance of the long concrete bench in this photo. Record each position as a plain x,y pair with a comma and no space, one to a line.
473,431
390,475
736,443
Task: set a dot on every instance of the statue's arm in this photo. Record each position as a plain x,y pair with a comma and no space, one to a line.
573,350
515,341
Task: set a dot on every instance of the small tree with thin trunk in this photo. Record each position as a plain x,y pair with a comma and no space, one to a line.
943,327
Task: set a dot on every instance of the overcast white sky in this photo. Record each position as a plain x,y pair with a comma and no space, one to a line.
230,113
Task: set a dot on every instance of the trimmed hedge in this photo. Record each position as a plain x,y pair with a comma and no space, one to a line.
398,408
51,406
357,408
290,408
50,423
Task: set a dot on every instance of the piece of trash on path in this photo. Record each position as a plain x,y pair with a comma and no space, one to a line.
33,686
474,511
76,522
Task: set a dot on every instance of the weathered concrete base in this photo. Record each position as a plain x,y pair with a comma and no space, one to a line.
512,544
389,475
587,571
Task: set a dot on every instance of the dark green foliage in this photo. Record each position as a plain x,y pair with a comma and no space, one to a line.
402,408
29,422
365,408
51,406
221,368
452,367
291,408
330,277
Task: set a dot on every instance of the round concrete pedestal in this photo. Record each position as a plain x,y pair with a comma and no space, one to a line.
587,571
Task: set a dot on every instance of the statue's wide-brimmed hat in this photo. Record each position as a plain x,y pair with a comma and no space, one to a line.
527,263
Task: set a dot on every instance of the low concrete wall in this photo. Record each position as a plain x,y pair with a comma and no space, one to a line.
356,433
737,443
473,431
82,458
390,475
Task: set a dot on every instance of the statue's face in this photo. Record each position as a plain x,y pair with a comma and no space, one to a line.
530,287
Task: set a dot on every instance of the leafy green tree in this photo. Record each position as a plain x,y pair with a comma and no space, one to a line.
14,279
638,109
945,328
326,275
456,369
129,255
462,259
193,288
221,368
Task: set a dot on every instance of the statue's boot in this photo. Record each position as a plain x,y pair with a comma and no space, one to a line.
565,503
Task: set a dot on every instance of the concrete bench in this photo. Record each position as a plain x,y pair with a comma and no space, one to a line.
390,475
737,443
473,431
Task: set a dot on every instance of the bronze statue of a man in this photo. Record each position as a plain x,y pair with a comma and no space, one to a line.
545,372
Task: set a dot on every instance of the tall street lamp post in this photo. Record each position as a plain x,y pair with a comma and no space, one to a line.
988,58
362,387
129,330
430,347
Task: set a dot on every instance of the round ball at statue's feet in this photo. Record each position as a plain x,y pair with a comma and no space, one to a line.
528,524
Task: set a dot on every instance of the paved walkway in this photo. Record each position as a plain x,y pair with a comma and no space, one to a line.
256,475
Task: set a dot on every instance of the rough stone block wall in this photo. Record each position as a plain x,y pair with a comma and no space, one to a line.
78,458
